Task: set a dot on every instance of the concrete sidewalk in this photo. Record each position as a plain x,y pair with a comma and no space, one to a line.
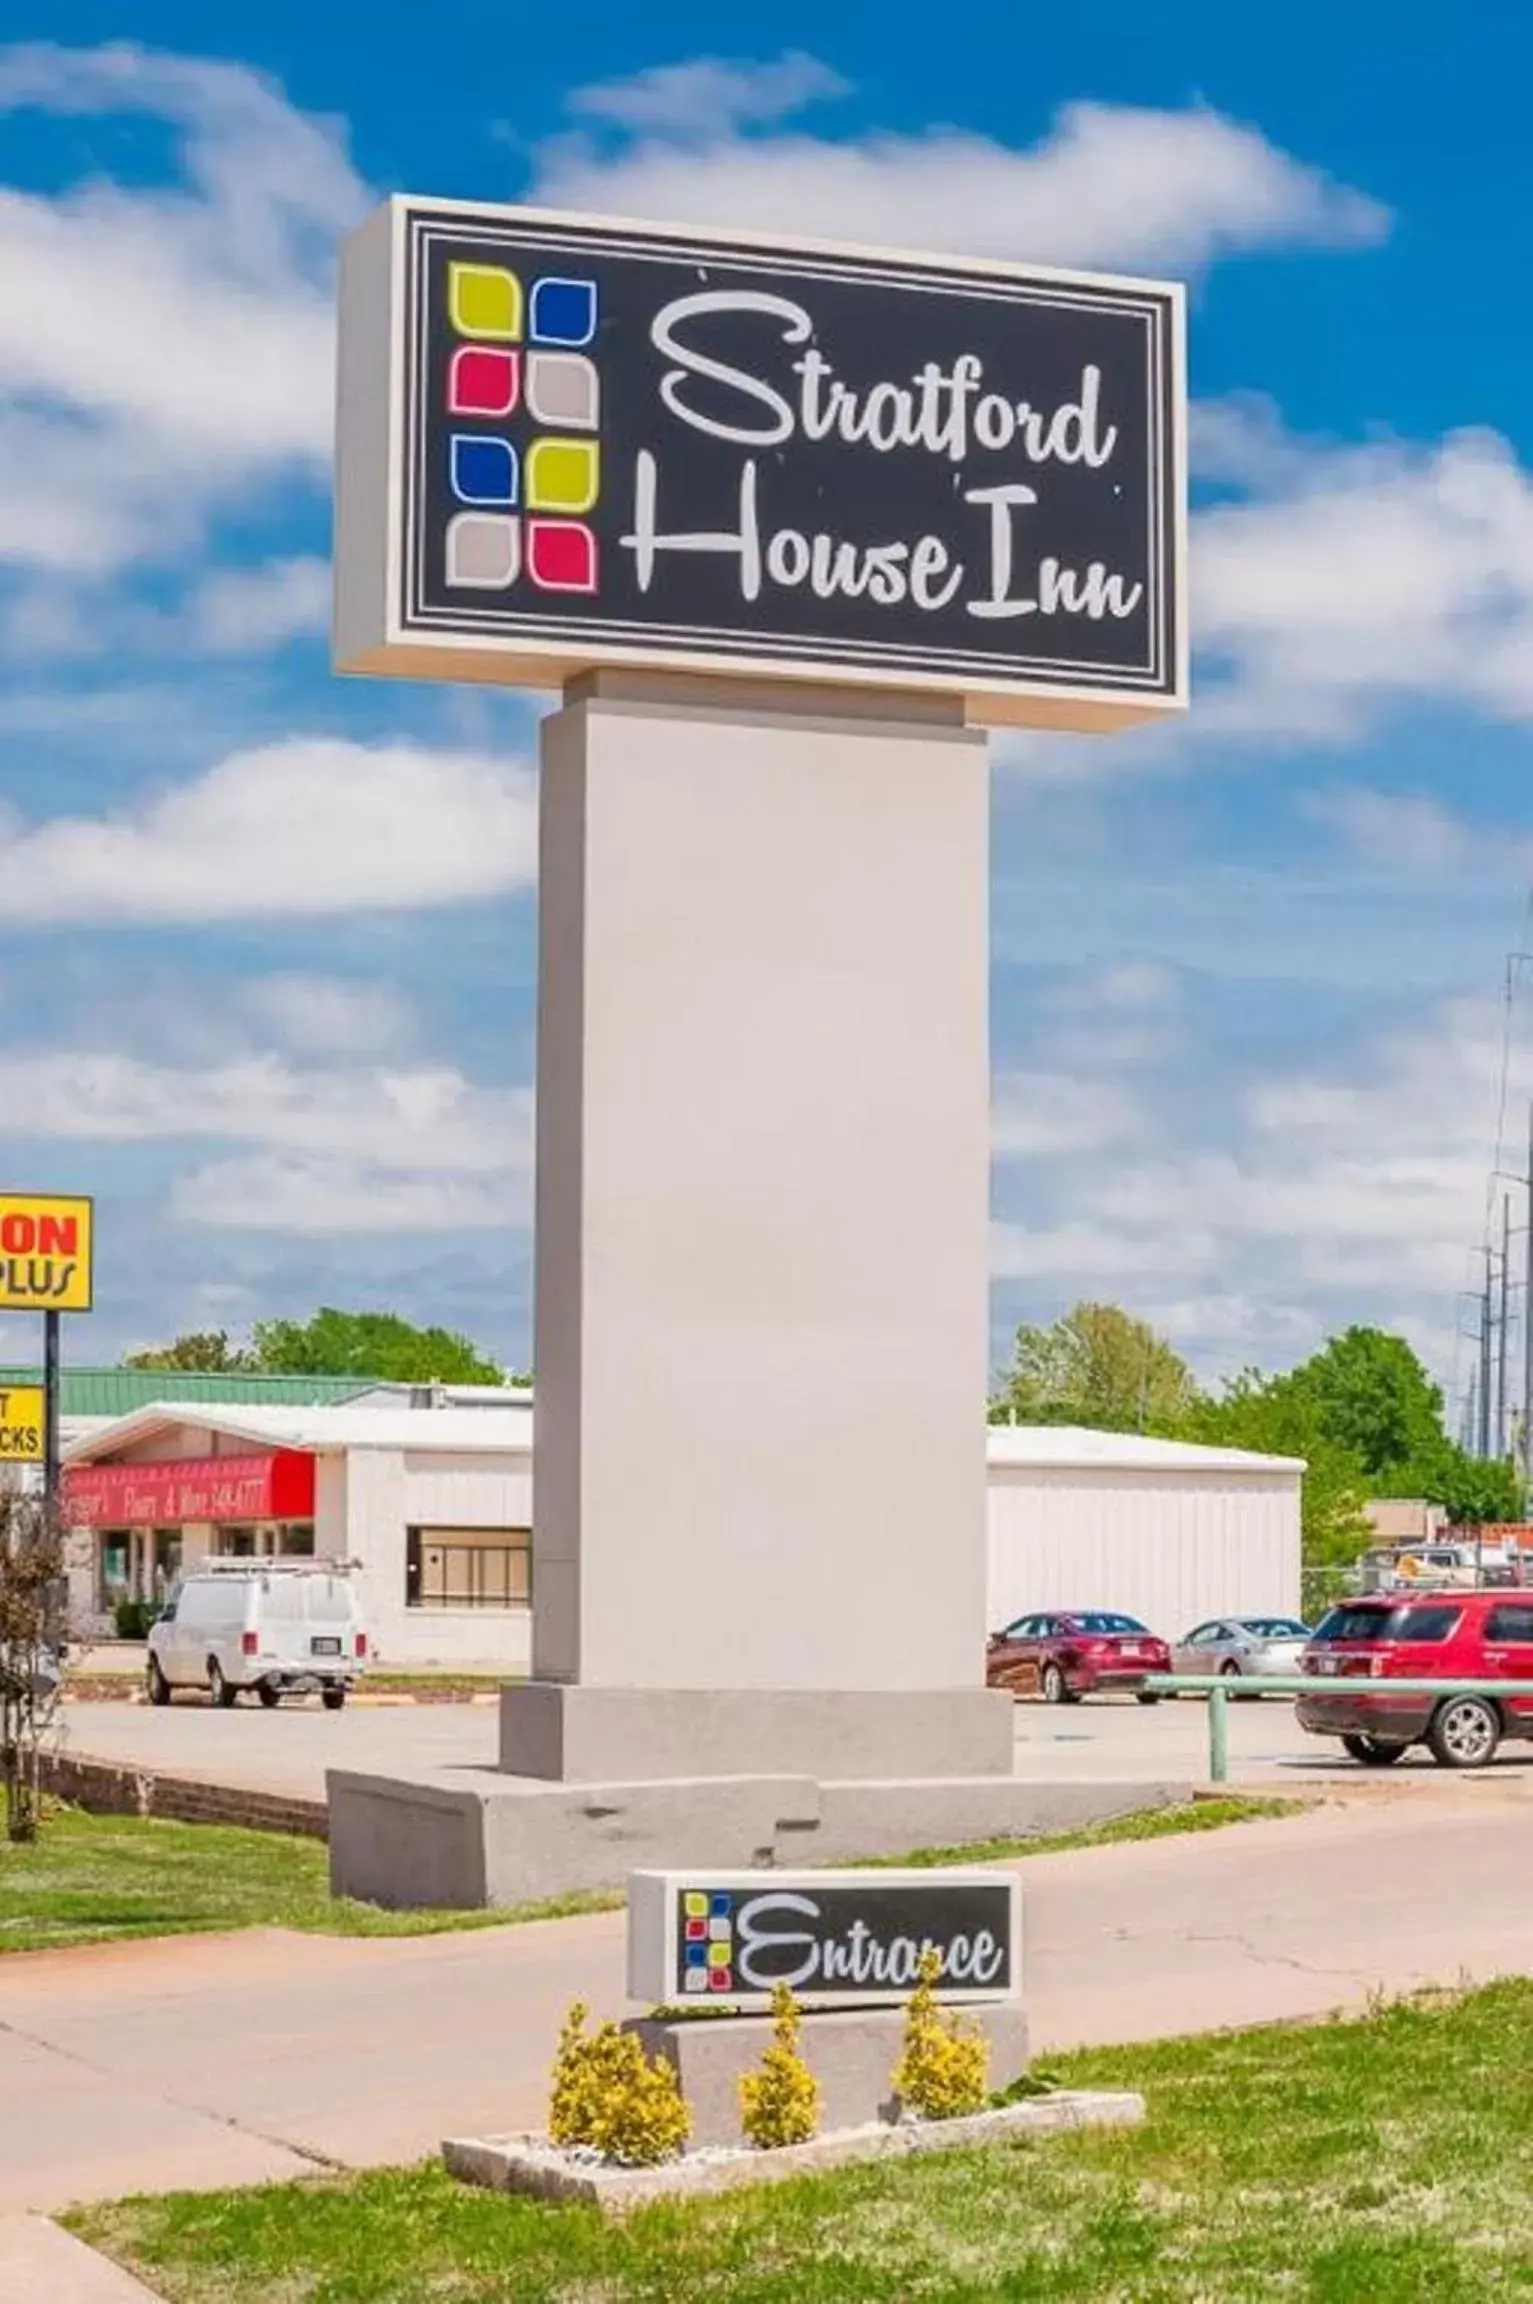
39,2264
210,2061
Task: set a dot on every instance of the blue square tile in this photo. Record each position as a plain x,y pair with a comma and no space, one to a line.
563,311
483,469
697,1955
720,1903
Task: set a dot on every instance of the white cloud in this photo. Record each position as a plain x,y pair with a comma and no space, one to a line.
245,611
327,1015
1359,577
1108,185
308,826
708,93
163,348
1041,1114
405,1118
1408,835
1086,1251
277,1192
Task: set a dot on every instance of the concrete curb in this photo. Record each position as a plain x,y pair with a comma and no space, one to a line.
527,2164
40,2263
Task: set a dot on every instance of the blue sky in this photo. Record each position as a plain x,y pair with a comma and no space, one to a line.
266,944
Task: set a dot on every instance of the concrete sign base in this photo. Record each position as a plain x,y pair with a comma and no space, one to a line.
469,1837
852,2054
575,1735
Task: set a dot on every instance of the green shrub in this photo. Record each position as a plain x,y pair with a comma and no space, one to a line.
780,2103
610,2097
133,1618
944,2065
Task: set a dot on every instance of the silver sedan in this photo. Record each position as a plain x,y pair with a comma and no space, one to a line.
1239,1646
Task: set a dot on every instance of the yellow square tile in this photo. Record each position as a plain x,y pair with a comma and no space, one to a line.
562,475
485,300
696,1905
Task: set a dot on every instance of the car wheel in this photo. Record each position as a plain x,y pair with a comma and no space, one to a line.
332,1698
1230,1670
156,1682
1372,1751
1053,1686
270,1697
1147,1696
1464,1732
218,1687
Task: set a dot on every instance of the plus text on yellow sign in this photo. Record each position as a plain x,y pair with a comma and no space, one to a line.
21,1423
46,1252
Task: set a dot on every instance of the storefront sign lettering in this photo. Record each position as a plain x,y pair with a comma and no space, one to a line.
46,1246
614,445
278,1486
21,1424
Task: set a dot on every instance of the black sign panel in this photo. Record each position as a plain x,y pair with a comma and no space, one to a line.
614,444
847,1940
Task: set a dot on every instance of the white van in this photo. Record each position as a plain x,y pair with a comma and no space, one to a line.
281,1627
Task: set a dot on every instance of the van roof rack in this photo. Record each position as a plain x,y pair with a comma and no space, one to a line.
253,1564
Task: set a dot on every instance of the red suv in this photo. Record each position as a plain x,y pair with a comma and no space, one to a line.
1362,1645
1066,1653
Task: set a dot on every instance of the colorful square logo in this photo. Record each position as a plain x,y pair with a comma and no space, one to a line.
563,389
561,555
563,311
484,550
562,475
485,300
483,469
483,382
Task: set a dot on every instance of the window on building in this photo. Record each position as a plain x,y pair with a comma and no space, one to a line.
468,1567
235,1543
295,1540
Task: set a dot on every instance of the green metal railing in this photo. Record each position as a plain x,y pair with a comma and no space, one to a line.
1219,1687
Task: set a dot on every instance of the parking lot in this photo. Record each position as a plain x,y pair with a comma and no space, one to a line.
288,1751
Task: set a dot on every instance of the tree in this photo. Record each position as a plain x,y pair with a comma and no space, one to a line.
1096,1366
32,1611
1374,1396
1281,1416
205,1351
377,1344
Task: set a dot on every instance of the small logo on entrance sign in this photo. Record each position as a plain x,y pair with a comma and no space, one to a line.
709,1951
522,488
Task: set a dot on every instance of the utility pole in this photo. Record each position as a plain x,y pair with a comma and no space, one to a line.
1483,1436
1501,1332
1527,1329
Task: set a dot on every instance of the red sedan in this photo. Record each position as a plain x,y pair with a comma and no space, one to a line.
1069,1653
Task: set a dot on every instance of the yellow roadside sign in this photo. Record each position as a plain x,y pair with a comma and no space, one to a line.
21,1424
46,1252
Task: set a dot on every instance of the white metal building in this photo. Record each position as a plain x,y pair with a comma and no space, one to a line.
435,1501
1168,1532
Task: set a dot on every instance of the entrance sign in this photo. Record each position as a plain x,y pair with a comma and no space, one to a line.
46,1252
835,1937
22,1426
567,444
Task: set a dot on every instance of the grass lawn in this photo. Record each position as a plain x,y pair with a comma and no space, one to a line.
96,1879
1387,2160
93,1879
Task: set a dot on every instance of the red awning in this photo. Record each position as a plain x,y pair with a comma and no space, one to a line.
278,1485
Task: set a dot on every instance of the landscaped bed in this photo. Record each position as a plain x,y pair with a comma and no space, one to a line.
1387,2160
92,1879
